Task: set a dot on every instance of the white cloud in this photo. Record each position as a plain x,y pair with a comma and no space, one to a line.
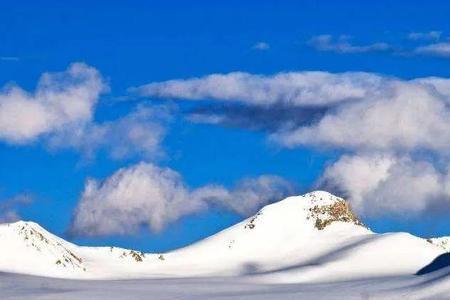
404,116
138,133
437,49
248,196
60,114
60,100
342,44
430,35
261,46
295,88
440,85
379,184
367,111
141,194
394,133
145,194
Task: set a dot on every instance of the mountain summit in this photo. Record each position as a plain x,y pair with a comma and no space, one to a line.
313,237
326,209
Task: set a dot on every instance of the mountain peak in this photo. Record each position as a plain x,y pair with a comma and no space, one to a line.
328,209
319,193
34,243
321,208
22,223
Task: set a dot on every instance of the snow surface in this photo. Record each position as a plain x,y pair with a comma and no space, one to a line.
281,248
24,287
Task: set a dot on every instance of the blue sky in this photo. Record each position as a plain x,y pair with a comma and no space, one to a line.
137,43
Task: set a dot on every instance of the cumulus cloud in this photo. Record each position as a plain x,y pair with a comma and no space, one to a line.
60,114
407,116
378,184
60,100
403,124
342,44
361,111
437,49
145,194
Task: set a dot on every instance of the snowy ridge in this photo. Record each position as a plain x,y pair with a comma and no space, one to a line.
28,248
314,237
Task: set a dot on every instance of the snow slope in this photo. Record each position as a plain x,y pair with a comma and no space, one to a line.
309,238
23,287
28,248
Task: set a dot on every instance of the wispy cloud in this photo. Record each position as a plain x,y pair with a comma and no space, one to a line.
9,207
430,43
437,49
342,44
293,88
261,46
138,133
9,58
436,45
430,35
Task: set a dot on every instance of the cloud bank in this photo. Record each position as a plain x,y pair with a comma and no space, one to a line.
148,195
363,110
394,133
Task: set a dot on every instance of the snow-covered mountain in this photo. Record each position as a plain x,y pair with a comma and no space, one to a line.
28,248
314,237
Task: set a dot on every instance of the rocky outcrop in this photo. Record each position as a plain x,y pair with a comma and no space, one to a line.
339,211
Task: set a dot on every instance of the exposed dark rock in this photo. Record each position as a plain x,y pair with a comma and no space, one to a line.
338,211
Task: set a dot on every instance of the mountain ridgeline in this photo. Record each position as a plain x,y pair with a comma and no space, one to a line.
313,237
